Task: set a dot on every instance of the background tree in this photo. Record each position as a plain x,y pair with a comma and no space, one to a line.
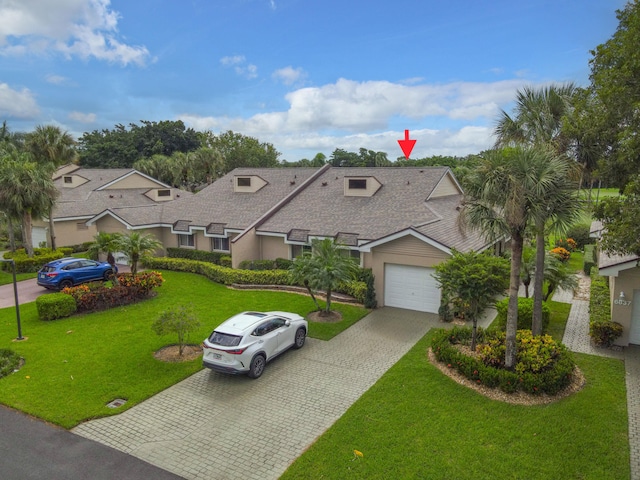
239,150
619,216
122,147
134,245
325,267
471,281
615,70
26,191
51,148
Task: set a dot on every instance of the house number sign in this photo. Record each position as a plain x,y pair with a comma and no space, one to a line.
624,303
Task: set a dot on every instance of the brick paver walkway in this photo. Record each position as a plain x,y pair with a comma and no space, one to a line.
226,427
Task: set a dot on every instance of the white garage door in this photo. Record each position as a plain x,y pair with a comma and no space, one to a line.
634,332
38,236
413,288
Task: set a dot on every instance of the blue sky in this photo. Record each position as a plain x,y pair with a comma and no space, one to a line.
308,76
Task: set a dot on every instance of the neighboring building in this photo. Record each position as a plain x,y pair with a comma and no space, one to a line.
86,193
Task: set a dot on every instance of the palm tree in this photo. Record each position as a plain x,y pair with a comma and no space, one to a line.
106,243
135,245
325,267
538,121
499,197
26,191
51,147
558,274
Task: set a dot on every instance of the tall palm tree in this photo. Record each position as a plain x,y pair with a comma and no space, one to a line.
135,245
499,197
538,121
51,147
26,191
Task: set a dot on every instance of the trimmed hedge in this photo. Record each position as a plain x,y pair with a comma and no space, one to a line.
199,255
230,276
589,260
25,264
550,380
602,330
525,314
55,305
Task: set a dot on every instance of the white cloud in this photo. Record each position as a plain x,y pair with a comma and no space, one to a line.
349,114
82,28
289,75
83,117
17,103
238,62
56,79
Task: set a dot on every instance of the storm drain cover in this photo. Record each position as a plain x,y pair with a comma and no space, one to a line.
118,402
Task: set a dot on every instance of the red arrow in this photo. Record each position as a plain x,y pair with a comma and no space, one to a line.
406,145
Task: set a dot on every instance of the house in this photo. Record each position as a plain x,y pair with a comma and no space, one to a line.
85,194
400,222
624,286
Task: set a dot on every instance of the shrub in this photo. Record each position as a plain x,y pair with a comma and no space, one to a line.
580,233
55,305
599,299
200,255
562,253
283,263
589,260
543,366
568,244
24,264
225,261
370,293
258,265
525,314
353,288
9,362
180,320
604,333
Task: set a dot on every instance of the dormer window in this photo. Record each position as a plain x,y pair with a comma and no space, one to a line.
244,181
165,192
68,179
357,184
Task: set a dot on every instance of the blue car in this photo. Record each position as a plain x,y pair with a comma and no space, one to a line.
67,272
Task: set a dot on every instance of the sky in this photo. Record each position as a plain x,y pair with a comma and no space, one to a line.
308,76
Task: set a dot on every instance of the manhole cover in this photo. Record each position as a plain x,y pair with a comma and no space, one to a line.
118,402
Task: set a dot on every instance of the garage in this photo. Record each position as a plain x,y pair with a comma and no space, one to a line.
38,236
410,287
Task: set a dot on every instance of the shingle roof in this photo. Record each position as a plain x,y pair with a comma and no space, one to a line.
324,210
219,203
86,200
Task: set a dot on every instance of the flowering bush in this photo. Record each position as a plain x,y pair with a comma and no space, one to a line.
542,366
562,253
568,244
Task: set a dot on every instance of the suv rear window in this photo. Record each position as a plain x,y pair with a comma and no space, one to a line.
47,269
224,339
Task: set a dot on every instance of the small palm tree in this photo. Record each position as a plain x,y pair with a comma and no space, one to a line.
135,246
106,243
325,267
558,274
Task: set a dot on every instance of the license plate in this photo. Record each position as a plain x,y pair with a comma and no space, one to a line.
216,356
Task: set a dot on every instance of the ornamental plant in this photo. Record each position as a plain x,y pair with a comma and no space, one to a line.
568,244
562,253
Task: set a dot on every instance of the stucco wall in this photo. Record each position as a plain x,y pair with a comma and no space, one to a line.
627,281
246,248
446,187
67,233
272,248
407,250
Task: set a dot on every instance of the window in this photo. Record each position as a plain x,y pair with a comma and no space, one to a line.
68,179
297,250
164,193
357,184
186,241
220,244
81,226
244,181
355,254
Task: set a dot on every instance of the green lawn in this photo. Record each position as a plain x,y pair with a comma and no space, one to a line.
417,423
74,366
7,277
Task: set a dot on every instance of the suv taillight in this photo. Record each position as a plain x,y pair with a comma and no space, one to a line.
237,351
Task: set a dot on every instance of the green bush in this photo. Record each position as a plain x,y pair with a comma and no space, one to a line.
24,264
283,263
9,362
580,233
605,333
589,260
353,288
199,255
545,367
258,265
525,314
599,299
55,305
370,294
225,261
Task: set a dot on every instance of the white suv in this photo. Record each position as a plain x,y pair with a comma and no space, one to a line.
247,341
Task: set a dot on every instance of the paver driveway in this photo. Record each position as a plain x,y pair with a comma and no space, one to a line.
226,427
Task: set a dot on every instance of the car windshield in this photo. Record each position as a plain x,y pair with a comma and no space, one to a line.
224,339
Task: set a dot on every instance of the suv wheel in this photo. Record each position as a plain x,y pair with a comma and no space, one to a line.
257,366
108,275
65,284
301,335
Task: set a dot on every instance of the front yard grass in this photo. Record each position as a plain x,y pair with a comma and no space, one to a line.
417,423
7,277
75,366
